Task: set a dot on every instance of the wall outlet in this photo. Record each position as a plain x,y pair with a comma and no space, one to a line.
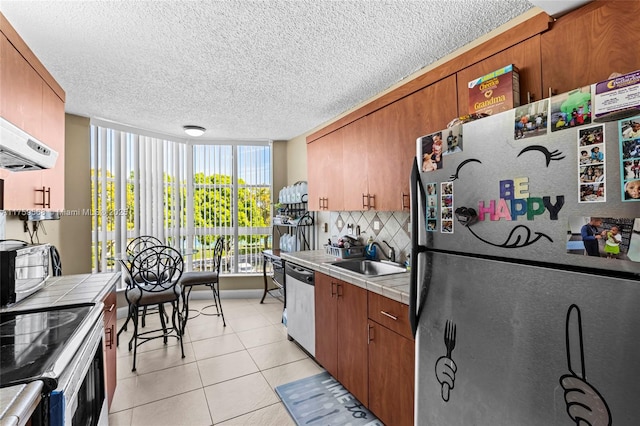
376,225
325,227
340,224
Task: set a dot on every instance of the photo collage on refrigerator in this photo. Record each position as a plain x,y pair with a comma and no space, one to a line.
432,207
630,158
591,165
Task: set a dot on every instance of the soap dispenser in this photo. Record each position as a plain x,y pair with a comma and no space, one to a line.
370,250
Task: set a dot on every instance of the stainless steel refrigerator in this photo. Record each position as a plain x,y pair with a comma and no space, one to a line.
515,323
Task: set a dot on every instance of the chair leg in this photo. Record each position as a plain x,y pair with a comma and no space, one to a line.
185,305
163,322
216,298
135,337
177,313
124,327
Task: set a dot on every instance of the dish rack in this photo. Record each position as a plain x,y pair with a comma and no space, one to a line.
344,253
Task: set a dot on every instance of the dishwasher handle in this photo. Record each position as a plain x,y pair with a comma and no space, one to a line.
300,273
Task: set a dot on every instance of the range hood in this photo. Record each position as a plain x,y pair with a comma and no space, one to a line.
20,151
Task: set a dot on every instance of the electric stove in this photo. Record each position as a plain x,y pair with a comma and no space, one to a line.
37,344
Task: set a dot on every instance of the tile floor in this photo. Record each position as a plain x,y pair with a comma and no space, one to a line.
227,377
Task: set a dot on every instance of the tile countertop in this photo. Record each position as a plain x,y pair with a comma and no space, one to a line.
69,290
394,286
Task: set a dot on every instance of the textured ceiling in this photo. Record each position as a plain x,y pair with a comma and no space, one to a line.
242,69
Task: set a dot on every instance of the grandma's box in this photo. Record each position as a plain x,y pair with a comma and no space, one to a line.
617,97
495,92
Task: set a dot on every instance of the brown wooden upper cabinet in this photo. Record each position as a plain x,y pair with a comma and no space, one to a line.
359,150
377,152
587,45
393,132
33,101
325,172
524,55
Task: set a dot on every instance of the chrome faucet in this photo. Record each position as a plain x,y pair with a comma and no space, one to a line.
392,252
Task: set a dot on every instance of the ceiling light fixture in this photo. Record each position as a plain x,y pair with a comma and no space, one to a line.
194,131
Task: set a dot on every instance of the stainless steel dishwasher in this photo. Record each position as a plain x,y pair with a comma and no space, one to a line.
301,312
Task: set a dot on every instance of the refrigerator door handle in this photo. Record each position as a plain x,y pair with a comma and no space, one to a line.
417,194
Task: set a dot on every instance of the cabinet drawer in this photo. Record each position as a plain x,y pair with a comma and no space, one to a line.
390,313
110,302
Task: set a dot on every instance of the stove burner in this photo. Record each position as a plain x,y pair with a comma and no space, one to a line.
21,326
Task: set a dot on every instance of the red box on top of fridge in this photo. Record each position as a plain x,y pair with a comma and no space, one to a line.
495,92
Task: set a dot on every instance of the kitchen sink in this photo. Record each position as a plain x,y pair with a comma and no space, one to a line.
370,267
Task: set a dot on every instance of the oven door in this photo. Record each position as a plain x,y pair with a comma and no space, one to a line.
80,398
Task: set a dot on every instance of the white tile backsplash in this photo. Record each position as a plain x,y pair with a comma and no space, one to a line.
393,228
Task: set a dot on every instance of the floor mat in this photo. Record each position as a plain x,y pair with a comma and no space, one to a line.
321,400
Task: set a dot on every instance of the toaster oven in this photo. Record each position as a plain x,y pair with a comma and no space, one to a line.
24,269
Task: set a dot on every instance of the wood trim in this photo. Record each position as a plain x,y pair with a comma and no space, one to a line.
531,27
14,38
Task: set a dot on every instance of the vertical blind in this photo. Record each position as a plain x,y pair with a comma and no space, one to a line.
185,194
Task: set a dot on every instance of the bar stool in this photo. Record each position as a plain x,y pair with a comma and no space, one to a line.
134,247
155,275
208,278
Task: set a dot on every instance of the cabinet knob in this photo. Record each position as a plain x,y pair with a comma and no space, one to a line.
365,204
371,205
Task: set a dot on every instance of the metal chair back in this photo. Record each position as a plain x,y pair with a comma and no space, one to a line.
156,269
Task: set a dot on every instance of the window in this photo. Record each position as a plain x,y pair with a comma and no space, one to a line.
185,194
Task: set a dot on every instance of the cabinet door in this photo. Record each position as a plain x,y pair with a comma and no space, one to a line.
391,375
21,88
587,45
324,171
21,104
524,55
326,323
358,147
110,354
395,130
352,340
53,135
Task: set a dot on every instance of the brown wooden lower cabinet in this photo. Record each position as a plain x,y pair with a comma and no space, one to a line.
341,333
391,376
109,348
364,340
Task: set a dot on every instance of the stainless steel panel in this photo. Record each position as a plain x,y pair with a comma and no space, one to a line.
510,349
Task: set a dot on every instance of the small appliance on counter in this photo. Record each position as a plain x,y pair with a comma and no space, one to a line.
24,268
